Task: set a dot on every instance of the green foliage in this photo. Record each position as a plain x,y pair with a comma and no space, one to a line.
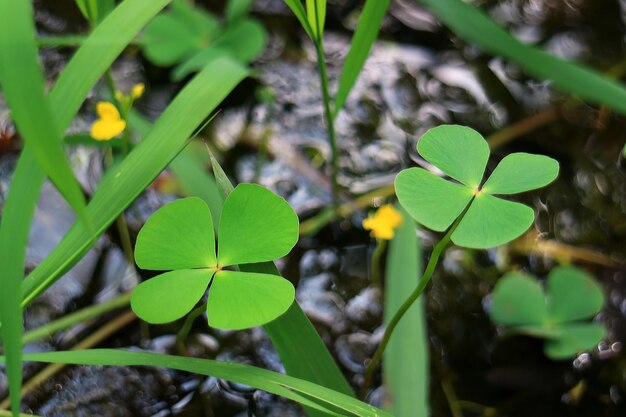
571,295
95,10
256,226
316,14
462,154
304,392
190,38
405,367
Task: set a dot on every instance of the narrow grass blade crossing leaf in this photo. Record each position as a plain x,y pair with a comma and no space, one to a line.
22,82
475,26
366,33
305,392
405,365
199,97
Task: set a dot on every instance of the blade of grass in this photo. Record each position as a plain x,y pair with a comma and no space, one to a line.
17,215
302,391
475,26
298,10
120,187
405,365
316,15
366,33
311,360
22,82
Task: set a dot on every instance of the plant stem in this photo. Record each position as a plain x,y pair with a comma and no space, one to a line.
421,285
191,317
379,250
330,123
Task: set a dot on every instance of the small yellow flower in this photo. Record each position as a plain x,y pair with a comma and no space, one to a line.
137,91
109,123
384,222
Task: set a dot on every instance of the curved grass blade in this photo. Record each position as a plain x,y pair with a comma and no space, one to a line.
405,366
299,390
17,215
298,9
362,41
475,26
22,82
168,136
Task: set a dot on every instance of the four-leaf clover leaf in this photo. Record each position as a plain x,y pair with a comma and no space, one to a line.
256,225
462,154
571,295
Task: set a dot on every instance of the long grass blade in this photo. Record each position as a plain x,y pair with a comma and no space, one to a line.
475,26
298,10
405,366
366,33
17,215
22,82
305,392
316,15
120,187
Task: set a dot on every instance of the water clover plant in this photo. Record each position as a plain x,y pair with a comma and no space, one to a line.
557,314
189,37
256,225
484,220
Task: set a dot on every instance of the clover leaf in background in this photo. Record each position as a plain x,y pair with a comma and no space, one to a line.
256,225
462,154
189,37
556,314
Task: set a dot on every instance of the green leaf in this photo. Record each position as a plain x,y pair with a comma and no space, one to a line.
22,83
518,300
491,221
179,235
316,15
302,391
169,296
167,40
240,300
519,172
169,134
459,151
574,338
298,10
572,295
429,199
362,41
405,364
237,10
256,226
475,26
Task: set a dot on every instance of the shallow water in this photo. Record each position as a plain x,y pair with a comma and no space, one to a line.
418,77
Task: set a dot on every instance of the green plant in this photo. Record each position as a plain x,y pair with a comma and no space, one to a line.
190,38
556,314
312,20
467,207
256,226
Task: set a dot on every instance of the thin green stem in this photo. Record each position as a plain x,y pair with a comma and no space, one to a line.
77,317
330,123
421,285
379,250
191,317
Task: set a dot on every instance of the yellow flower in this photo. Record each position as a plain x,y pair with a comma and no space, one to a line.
384,222
137,90
109,123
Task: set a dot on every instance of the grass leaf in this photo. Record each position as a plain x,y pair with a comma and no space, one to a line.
362,41
22,82
405,365
302,391
298,9
316,15
475,26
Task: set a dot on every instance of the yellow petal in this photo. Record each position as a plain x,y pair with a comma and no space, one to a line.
119,96
389,215
107,111
383,223
107,129
138,90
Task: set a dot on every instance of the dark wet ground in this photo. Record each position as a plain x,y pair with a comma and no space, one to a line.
418,77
